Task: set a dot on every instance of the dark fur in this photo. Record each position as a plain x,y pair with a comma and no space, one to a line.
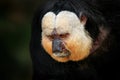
103,64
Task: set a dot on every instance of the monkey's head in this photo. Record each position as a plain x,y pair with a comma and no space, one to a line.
70,35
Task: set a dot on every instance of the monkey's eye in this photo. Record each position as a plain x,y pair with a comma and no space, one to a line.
63,36
50,37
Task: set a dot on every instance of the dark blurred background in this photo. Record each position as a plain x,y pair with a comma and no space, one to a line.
15,31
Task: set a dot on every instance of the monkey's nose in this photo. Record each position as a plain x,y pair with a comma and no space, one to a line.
57,46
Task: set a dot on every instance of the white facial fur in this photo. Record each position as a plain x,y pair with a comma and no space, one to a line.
64,22
67,22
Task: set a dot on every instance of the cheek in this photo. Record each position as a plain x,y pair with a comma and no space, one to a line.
47,45
79,48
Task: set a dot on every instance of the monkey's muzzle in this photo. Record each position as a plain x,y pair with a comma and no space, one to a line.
59,49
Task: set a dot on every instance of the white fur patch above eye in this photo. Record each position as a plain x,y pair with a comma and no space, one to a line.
48,21
64,22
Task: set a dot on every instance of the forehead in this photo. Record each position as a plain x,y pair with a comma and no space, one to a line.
64,21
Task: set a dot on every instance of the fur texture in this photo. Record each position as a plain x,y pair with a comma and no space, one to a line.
78,42
102,25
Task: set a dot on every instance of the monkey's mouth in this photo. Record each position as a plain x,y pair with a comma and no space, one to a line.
65,53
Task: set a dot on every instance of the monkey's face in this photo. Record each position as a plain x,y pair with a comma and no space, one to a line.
64,36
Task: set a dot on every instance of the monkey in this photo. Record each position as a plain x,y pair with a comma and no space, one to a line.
76,40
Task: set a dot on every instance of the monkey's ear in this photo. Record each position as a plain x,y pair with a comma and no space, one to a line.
83,18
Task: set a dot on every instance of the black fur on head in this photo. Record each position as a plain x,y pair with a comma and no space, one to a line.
93,67
83,7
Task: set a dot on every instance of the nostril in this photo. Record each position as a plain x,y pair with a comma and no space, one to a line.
57,50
